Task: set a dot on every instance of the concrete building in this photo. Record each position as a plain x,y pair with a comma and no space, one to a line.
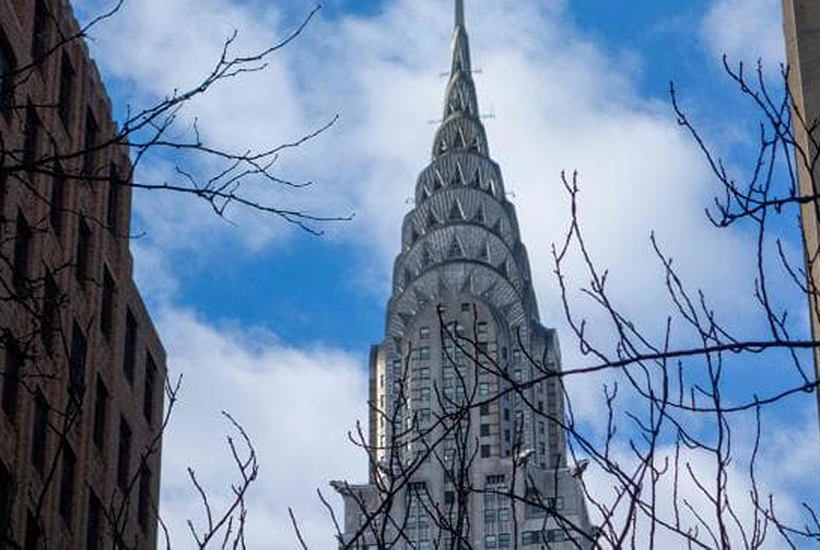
81,382
466,443
801,19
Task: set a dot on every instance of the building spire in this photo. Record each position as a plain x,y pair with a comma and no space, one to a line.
460,13
461,126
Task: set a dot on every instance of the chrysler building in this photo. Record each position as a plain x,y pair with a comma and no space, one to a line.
466,441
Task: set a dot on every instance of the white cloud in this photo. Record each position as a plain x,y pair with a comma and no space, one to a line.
297,405
747,31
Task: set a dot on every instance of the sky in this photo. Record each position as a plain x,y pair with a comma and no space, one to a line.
274,324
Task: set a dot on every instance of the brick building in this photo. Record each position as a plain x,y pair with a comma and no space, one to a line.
83,369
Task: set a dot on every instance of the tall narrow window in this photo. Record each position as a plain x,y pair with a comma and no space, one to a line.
22,254
39,39
124,459
4,189
31,138
130,358
39,434
69,464
32,532
93,524
90,144
66,99
5,500
83,250
107,309
11,380
100,414
144,504
8,64
113,213
150,389
76,382
56,205
50,319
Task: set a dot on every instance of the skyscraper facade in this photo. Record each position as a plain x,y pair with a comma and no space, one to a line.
466,431
801,20
82,368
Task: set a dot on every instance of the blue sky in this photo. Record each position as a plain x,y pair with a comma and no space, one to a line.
275,324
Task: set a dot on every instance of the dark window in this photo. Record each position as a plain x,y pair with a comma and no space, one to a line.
150,389
11,379
32,532
113,213
8,64
50,318
92,536
22,253
107,312
124,459
67,484
144,497
485,451
66,100
485,430
100,414
4,189
57,200
39,39
5,501
79,346
485,409
83,250
32,137
89,147
39,434
130,358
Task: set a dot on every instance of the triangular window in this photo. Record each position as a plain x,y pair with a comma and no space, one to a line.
455,250
458,179
432,221
476,179
437,183
502,267
455,211
479,215
484,252
476,145
491,187
425,257
458,141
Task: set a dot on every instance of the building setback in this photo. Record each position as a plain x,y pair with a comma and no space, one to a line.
801,20
83,369
466,440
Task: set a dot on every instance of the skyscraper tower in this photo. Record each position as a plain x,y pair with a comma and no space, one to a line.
466,442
